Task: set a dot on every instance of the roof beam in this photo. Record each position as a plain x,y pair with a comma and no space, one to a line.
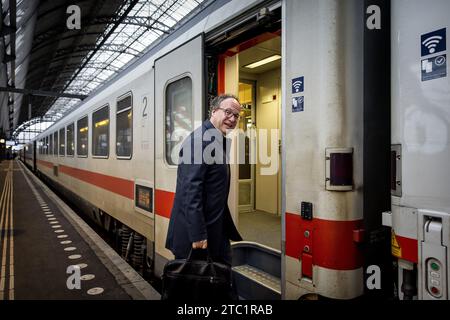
105,38
43,93
119,48
48,37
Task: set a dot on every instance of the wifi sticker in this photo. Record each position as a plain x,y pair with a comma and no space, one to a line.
433,42
298,84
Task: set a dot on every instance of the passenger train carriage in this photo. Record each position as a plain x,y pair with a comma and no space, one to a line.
310,209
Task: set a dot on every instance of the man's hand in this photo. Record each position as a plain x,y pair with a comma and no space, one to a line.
203,244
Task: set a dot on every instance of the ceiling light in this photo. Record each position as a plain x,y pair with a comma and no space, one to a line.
263,61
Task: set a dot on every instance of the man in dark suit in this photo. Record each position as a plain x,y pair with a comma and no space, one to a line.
200,216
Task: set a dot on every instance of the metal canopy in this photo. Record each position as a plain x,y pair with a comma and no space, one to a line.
47,67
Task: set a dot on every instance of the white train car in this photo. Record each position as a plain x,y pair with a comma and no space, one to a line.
420,180
116,150
27,154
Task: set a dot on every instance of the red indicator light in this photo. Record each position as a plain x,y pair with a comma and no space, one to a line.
434,290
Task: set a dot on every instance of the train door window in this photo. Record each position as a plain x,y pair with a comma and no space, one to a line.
178,117
62,141
100,132
82,137
70,145
46,145
124,131
55,143
50,146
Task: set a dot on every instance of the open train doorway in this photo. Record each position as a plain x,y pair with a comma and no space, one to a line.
251,70
244,58
259,181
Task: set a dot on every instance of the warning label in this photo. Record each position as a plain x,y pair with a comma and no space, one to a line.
395,247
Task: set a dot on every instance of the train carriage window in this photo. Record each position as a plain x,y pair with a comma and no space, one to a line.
124,120
178,116
46,145
50,144
55,143
62,141
70,149
100,132
82,137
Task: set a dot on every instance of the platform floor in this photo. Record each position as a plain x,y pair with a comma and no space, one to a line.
40,238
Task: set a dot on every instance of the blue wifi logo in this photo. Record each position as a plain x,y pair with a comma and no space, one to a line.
433,42
298,85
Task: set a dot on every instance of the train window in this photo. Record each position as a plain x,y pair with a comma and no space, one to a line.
100,132
82,137
124,120
55,143
62,141
70,149
178,116
50,144
46,145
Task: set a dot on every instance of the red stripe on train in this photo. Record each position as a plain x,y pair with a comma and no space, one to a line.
330,242
409,248
46,163
164,202
120,186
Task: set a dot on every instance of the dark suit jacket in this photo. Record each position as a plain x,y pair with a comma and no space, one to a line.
200,210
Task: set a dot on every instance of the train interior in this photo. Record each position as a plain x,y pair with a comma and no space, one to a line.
259,195
244,58
253,72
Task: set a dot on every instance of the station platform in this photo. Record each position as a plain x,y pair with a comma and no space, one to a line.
41,239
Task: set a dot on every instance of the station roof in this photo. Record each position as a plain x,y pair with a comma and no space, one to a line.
61,51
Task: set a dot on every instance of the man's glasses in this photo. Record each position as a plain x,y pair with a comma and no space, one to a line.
229,113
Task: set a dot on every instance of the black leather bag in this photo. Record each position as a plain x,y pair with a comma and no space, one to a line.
194,279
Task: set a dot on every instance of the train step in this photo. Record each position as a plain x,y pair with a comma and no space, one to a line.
257,271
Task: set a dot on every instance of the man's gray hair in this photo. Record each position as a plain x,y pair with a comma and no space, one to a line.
215,103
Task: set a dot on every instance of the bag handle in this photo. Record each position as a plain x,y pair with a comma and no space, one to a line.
208,255
208,259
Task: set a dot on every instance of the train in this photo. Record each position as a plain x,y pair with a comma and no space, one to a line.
350,98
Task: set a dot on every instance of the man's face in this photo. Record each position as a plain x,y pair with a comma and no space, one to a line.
226,116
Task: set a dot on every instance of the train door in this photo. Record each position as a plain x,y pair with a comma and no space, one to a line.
179,102
253,72
244,59
246,184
